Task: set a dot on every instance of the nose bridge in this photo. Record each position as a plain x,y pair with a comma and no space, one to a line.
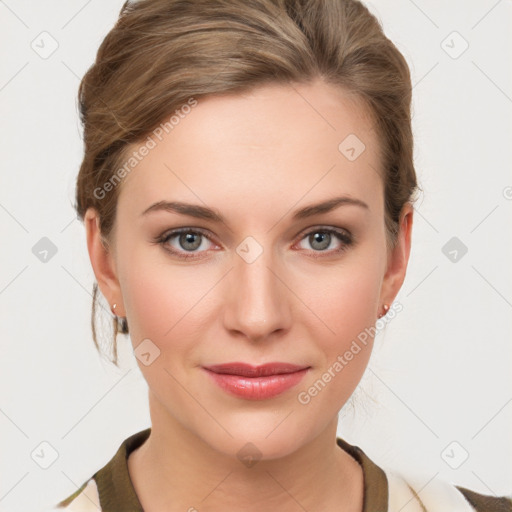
258,305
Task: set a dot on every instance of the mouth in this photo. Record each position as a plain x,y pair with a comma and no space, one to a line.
256,382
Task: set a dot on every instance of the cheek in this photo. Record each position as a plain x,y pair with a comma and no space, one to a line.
343,302
342,305
150,306
164,305
163,302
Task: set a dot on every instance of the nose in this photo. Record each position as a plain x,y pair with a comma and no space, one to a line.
257,304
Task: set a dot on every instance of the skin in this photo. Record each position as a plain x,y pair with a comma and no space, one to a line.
256,158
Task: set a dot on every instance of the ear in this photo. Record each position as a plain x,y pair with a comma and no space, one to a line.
398,257
102,261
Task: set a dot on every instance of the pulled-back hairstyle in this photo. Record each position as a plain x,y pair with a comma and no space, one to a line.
162,53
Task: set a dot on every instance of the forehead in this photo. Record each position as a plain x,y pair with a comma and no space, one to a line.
272,145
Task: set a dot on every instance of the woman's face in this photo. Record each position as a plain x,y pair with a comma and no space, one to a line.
262,285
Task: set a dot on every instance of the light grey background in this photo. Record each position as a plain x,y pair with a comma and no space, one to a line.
441,370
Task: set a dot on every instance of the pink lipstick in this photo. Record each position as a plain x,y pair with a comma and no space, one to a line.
256,382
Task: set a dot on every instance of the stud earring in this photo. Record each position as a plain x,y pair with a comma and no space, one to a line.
112,308
386,307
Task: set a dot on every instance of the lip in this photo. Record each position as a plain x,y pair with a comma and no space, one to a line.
248,370
256,382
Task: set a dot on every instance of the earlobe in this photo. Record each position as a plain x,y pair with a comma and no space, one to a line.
102,261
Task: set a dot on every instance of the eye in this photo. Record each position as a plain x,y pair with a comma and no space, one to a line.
187,241
321,238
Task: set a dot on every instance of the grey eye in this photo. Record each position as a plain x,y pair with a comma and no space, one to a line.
190,240
320,240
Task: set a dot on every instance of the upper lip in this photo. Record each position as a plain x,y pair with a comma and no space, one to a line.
248,370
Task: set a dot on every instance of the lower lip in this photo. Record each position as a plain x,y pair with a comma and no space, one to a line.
257,388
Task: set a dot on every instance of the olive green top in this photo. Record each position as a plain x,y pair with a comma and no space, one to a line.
117,494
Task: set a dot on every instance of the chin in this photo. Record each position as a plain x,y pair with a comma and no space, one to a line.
256,441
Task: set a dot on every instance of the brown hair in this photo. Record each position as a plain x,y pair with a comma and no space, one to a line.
162,53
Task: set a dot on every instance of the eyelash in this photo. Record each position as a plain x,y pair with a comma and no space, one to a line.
342,236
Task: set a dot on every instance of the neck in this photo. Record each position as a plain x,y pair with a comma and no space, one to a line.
176,470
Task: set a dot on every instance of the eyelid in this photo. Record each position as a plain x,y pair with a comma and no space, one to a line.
320,227
173,232
344,237
177,231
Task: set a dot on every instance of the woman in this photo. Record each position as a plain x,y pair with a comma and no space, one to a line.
247,190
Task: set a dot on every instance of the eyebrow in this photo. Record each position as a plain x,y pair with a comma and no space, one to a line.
202,212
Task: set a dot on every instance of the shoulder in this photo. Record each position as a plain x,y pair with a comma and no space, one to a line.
84,499
109,487
433,494
483,502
